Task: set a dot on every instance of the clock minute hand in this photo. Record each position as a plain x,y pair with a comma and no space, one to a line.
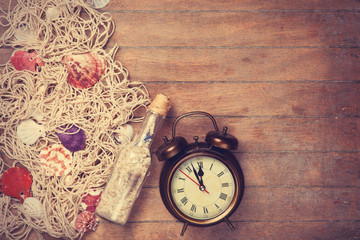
196,174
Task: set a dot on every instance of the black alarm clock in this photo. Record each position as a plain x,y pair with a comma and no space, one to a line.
201,183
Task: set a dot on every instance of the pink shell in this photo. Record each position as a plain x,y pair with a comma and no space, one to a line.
56,160
16,182
86,221
90,201
23,60
84,70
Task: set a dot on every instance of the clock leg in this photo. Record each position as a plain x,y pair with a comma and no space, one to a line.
184,228
229,224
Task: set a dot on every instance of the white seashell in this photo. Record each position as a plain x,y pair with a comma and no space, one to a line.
29,131
124,134
98,3
52,13
33,207
23,33
36,114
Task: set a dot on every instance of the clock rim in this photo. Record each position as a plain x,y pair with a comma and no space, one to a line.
226,158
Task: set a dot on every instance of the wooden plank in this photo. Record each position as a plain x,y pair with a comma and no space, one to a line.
278,134
236,29
247,65
252,64
339,230
289,169
247,5
247,230
206,5
262,99
268,204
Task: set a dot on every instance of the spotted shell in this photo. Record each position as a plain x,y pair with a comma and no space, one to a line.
86,221
56,160
28,131
84,70
33,207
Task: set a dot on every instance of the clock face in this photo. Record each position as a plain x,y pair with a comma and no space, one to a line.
202,187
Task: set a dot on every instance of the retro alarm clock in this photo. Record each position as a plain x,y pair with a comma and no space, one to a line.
201,183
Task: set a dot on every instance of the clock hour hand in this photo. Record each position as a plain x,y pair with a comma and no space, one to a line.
202,188
201,173
199,178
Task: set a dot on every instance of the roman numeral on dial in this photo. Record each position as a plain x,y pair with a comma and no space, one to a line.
184,200
205,210
223,196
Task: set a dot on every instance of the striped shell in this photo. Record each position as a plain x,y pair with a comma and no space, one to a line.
56,160
84,70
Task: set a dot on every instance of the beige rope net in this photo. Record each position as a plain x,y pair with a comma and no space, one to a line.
54,29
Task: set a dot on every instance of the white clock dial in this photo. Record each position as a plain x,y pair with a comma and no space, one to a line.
202,187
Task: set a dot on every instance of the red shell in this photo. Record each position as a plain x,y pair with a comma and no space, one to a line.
26,60
85,221
16,182
91,200
84,70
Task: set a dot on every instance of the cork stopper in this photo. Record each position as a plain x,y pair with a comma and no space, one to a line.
160,104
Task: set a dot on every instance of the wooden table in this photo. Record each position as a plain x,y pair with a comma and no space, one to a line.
284,77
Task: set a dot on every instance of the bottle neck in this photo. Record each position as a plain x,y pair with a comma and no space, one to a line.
149,127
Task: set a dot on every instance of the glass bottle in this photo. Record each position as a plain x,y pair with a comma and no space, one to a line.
132,165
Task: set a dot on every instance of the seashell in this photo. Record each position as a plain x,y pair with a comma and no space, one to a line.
90,201
84,70
86,221
72,138
97,4
33,207
25,60
55,160
28,131
16,182
23,33
52,13
124,134
36,114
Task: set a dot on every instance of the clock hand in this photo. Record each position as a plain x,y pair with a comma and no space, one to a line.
199,178
201,173
196,175
192,180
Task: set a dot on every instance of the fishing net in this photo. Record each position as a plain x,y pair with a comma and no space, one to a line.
54,29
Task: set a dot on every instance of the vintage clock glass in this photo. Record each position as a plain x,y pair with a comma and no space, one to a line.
201,183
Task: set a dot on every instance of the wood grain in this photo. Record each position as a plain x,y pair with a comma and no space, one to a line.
284,77
236,65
